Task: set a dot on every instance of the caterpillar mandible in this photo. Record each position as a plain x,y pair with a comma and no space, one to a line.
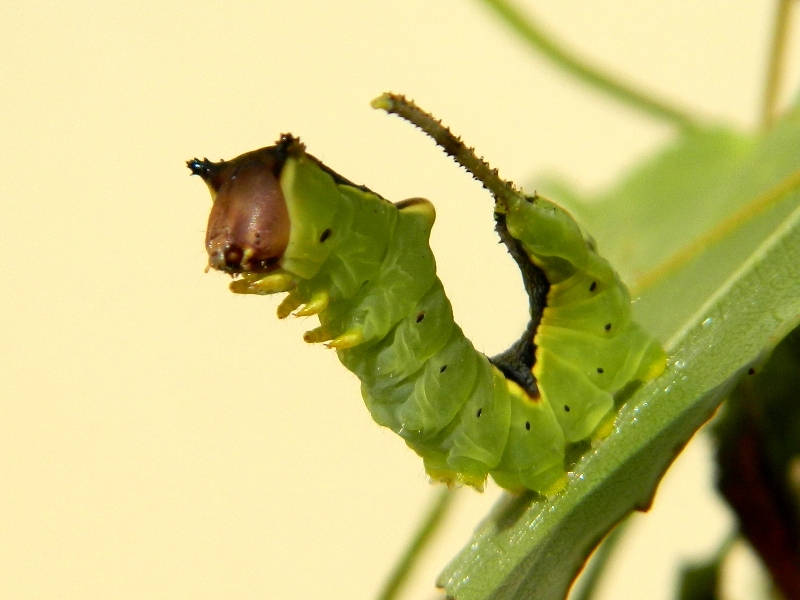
281,221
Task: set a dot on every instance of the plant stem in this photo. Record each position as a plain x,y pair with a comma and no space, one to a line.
780,33
599,562
535,35
430,524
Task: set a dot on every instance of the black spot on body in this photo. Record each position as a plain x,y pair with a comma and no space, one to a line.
600,370
566,408
607,327
478,414
751,371
325,235
593,286
420,316
443,369
528,425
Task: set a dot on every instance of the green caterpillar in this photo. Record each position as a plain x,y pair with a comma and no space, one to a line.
282,221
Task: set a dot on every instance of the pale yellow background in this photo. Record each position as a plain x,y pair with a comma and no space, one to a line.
162,438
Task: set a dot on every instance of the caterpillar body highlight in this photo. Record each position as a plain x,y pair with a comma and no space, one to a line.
283,222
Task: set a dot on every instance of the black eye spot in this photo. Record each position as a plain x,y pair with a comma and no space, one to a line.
608,327
599,369
751,371
420,316
593,286
528,425
566,408
325,235
478,414
443,369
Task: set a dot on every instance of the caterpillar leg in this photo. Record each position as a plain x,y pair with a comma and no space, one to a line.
317,335
288,304
556,484
548,483
317,304
604,427
439,472
346,340
262,285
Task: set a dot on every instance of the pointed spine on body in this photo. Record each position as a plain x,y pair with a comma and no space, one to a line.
364,266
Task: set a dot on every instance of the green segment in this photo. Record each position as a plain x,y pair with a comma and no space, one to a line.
554,240
404,278
534,453
365,244
587,346
310,216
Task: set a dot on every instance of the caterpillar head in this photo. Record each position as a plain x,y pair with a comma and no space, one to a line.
248,228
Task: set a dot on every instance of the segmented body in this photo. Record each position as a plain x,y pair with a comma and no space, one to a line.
364,266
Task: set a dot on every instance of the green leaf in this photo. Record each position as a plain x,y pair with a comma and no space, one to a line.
700,582
720,310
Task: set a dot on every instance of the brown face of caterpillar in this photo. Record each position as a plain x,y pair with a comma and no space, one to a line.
248,228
